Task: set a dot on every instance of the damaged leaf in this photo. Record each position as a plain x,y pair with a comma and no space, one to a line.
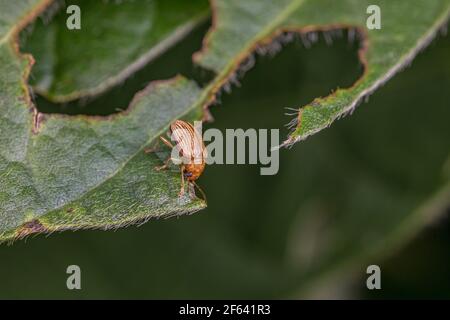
115,40
406,28
59,172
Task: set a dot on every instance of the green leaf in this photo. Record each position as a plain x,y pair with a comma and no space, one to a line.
241,27
60,172
115,40
343,199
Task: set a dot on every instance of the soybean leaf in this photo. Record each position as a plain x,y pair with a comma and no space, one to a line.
60,172
241,27
343,199
114,40
71,172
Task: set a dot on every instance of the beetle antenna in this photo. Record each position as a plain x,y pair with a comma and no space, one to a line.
201,191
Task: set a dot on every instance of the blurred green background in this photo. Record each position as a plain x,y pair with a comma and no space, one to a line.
341,201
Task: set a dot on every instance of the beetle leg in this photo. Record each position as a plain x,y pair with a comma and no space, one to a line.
152,148
166,142
200,189
182,181
191,189
165,166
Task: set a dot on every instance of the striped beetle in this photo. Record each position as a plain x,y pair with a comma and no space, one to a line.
190,146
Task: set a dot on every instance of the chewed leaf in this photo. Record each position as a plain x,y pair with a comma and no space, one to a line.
114,40
60,172
243,27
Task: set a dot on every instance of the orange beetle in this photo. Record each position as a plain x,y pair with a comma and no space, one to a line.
190,147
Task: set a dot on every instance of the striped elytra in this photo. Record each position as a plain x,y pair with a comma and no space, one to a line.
190,145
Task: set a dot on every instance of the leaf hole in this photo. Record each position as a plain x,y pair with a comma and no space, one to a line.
175,60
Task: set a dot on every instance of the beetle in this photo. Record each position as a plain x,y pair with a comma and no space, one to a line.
191,148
